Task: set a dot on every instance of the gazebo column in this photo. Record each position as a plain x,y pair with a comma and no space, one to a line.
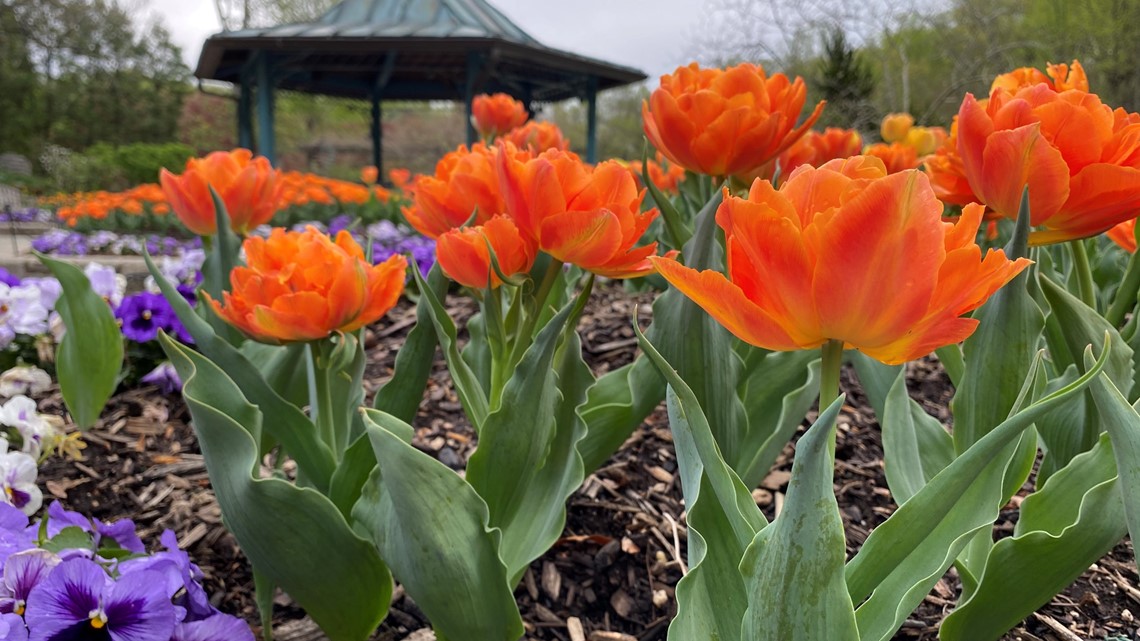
474,66
245,113
266,138
377,135
592,119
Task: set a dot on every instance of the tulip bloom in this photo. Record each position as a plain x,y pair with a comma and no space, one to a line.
464,184
1124,235
1080,160
947,175
369,174
303,286
248,186
463,254
896,156
665,176
816,148
895,127
537,137
495,115
587,216
725,122
1059,77
847,252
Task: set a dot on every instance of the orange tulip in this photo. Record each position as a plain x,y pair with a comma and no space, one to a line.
896,156
464,184
497,114
537,137
816,148
1124,235
1080,160
947,175
1059,77
401,178
248,186
463,254
847,252
303,286
583,215
925,140
895,127
665,176
369,174
723,122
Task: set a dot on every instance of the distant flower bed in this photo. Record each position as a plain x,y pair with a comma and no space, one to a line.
27,215
303,196
62,242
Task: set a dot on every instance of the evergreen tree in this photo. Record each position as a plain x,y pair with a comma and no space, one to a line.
846,82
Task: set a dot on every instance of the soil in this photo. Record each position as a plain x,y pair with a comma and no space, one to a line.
611,576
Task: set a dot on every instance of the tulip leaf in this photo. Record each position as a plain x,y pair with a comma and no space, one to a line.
433,529
877,378
777,394
794,567
723,518
952,362
678,233
1082,326
915,445
1065,432
282,367
294,537
527,463
90,355
615,406
467,386
402,394
285,422
1123,425
904,557
1075,519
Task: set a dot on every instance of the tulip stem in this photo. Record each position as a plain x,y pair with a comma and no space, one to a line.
832,354
523,338
320,396
1085,287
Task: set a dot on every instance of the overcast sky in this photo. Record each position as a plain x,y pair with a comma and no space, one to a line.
650,35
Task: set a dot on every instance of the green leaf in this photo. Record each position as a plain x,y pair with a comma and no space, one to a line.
1065,433
527,464
615,406
877,380
467,386
1075,519
402,394
69,537
794,567
1123,425
294,537
433,529
777,394
285,422
723,519
904,557
282,367
1081,326
88,359
915,445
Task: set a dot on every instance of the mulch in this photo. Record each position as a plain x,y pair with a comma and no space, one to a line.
611,577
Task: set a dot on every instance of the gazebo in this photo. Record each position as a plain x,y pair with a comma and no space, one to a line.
380,50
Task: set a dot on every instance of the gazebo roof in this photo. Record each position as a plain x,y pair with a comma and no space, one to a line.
410,50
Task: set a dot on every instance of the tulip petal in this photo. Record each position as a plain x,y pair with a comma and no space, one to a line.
726,303
583,238
1101,197
1014,158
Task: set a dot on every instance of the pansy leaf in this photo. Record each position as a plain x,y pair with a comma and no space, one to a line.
89,357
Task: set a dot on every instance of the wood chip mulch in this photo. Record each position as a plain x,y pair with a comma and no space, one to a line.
611,576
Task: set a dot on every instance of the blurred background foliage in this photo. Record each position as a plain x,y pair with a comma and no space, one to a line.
98,96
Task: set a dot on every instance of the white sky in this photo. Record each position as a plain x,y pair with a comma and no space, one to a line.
651,35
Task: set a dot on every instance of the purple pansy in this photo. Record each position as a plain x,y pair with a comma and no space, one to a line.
217,627
12,628
180,574
121,531
78,600
143,314
8,278
165,377
22,573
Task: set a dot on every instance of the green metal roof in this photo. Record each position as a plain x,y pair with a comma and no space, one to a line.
410,49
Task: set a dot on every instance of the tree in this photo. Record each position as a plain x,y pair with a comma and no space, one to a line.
846,82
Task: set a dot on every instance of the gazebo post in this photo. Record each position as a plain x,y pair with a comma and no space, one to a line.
377,134
474,61
245,113
592,119
266,138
